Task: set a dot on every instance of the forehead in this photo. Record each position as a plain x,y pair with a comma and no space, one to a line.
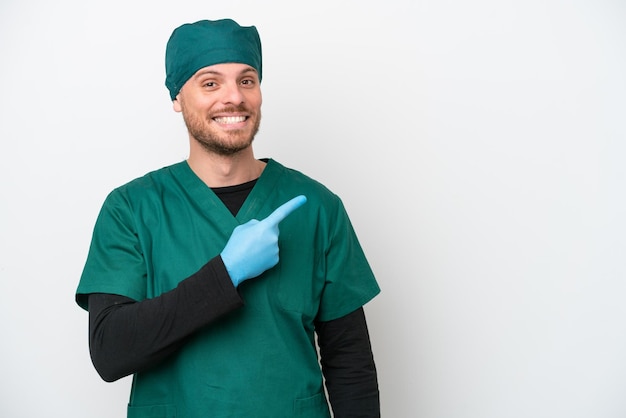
227,69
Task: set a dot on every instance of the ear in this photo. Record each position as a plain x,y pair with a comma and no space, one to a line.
176,105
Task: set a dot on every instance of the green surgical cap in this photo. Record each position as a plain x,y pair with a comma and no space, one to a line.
193,46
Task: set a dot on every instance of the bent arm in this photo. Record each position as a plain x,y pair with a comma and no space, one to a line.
126,336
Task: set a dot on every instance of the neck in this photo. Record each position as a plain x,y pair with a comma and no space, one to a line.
221,171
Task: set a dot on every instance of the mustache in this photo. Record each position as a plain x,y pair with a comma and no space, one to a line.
233,109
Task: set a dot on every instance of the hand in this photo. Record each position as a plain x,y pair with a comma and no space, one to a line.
253,247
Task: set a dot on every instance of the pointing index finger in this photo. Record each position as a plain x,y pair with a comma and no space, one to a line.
285,209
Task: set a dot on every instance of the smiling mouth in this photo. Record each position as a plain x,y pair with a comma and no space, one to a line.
227,120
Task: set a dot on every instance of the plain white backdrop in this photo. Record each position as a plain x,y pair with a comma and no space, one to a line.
479,148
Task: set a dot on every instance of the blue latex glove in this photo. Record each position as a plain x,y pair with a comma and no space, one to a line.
253,247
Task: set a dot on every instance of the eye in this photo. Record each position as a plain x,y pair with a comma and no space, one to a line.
209,84
248,82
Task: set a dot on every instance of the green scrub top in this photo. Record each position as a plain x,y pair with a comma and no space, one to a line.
259,361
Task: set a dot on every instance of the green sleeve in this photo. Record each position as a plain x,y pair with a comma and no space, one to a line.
350,282
115,262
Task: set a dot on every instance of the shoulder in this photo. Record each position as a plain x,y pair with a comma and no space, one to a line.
148,188
149,182
322,203
294,179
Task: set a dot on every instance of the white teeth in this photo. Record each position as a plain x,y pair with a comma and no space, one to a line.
230,119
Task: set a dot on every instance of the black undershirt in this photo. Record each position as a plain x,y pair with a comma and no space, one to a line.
126,336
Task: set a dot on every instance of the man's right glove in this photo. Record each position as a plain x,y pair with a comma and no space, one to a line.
253,247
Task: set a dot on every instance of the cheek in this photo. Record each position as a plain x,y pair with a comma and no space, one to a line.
254,98
256,102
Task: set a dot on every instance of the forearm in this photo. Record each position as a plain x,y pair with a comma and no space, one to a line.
126,336
348,366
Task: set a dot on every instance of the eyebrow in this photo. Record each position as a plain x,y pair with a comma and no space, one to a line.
215,72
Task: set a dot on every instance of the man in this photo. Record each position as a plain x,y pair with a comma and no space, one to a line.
192,287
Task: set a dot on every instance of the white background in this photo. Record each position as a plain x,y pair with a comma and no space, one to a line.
478,146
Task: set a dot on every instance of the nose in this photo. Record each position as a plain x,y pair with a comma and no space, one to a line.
232,94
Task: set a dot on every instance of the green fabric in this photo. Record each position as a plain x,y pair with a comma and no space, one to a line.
259,361
193,46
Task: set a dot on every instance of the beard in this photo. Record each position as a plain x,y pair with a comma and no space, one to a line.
219,142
